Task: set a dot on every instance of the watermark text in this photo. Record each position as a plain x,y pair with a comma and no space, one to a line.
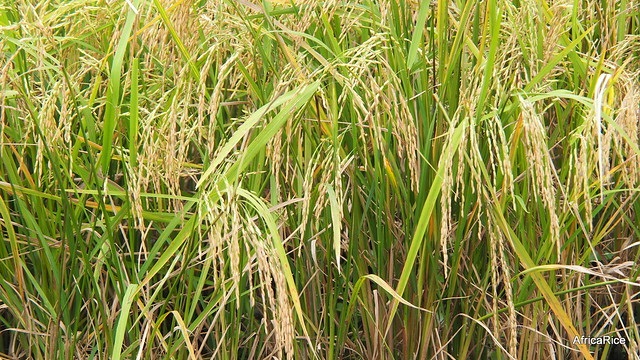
600,340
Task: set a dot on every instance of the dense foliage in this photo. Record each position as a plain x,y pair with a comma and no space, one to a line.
384,179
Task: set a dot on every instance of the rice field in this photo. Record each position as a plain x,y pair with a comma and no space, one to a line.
304,179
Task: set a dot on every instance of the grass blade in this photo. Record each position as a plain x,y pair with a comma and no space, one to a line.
113,91
121,326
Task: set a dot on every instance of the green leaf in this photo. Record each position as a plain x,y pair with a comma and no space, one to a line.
113,91
121,326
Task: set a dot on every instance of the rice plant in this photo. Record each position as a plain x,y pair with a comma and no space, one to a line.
304,179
